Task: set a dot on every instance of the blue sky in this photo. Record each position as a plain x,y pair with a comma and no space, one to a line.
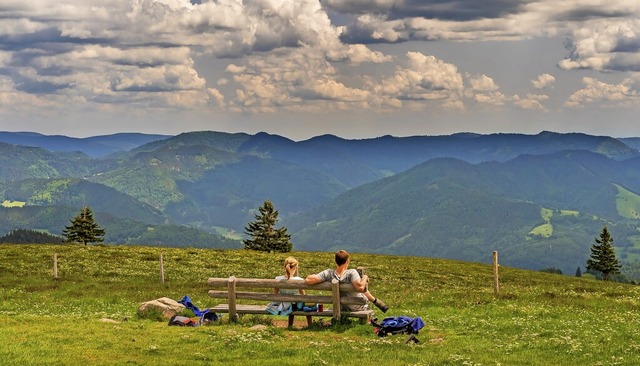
301,68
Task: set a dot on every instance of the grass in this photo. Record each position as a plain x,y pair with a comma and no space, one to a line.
537,319
627,203
546,229
8,203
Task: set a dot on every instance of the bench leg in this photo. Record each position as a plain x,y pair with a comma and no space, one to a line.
291,321
309,320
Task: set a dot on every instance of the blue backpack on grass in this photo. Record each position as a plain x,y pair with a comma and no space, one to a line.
205,315
399,325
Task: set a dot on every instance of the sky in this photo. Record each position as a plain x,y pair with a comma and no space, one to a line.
302,68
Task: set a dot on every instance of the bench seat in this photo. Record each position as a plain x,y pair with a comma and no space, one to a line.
261,310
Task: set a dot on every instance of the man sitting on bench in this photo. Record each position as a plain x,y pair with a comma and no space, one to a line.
345,275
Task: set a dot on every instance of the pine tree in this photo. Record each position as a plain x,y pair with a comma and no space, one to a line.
264,236
83,229
603,256
578,272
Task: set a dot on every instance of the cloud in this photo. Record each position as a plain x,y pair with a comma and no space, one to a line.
484,90
466,20
543,81
106,51
483,83
435,9
624,94
302,55
424,77
532,101
294,79
611,46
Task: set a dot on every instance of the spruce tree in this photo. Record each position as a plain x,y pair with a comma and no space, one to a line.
83,229
264,236
578,272
603,256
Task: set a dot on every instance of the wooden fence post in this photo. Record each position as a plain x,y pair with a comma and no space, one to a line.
496,281
231,290
161,269
55,266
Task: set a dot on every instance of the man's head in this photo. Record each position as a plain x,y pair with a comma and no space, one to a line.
342,257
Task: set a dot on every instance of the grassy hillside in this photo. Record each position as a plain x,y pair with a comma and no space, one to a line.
537,319
78,192
446,207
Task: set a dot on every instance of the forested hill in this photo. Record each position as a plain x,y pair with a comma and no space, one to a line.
453,196
540,211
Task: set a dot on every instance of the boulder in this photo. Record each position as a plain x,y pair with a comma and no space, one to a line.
165,305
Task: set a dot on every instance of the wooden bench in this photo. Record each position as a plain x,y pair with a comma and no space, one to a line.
267,295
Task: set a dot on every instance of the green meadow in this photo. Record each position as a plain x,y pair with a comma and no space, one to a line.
7,203
536,319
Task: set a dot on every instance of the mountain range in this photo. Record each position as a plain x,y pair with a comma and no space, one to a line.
538,199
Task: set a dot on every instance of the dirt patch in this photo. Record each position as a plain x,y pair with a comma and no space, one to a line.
297,323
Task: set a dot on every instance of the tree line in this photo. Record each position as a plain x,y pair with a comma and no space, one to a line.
264,236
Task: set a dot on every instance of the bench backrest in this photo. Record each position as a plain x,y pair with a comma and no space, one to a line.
232,295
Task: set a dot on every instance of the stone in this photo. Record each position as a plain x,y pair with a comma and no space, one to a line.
165,305
107,320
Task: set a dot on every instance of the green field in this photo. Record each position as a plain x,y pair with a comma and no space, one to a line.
8,203
627,203
537,319
546,229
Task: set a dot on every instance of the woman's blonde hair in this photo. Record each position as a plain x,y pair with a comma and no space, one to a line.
291,266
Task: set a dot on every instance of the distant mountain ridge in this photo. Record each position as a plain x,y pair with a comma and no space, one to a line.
453,196
96,146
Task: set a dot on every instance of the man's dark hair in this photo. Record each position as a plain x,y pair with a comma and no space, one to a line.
341,257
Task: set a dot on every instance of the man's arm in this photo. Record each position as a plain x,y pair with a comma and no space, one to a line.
360,284
312,279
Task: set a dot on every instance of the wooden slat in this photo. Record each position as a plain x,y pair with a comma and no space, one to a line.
273,283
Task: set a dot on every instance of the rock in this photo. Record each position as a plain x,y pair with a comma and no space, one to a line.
165,305
107,320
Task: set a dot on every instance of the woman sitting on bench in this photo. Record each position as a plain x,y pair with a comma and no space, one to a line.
291,268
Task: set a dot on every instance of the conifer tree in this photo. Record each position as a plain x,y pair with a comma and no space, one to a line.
578,272
264,236
83,229
603,256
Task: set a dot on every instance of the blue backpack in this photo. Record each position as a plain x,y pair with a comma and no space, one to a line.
205,315
399,325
